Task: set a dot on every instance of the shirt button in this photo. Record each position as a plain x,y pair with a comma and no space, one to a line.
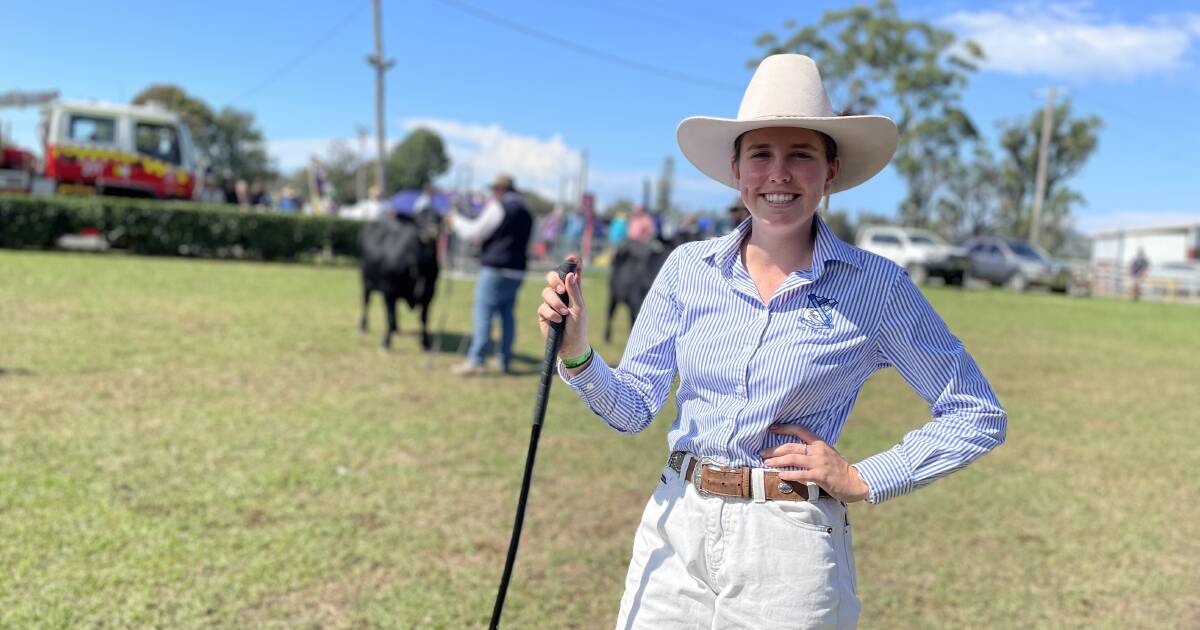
739,389
589,387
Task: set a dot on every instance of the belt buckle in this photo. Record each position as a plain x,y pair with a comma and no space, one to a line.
698,474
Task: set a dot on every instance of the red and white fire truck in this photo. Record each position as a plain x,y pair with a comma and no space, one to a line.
107,148
134,150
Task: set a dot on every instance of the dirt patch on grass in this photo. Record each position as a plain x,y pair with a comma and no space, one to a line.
330,604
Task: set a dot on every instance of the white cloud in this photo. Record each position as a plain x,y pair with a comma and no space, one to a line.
540,164
1067,41
1092,223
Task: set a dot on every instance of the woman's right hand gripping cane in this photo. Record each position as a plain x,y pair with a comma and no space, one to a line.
552,309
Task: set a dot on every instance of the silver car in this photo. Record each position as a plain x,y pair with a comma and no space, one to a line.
1016,264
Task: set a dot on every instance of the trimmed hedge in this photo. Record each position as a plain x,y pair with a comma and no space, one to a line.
174,228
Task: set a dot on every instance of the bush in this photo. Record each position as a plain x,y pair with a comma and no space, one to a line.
174,228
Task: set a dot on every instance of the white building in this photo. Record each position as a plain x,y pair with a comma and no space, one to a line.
1118,248
1114,250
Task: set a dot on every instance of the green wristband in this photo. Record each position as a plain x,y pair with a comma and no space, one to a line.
575,362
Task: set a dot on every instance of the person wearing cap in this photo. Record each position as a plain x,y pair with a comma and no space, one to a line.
502,230
773,330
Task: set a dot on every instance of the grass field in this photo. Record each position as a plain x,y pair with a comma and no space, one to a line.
189,444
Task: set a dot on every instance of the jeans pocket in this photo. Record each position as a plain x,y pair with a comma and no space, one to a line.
801,514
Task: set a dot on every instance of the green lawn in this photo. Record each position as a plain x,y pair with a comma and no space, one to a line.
190,444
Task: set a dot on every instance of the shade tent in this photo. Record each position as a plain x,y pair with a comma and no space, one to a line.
405,202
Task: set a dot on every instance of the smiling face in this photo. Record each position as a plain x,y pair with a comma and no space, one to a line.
782,173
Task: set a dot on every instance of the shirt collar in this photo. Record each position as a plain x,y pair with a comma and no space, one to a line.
724,251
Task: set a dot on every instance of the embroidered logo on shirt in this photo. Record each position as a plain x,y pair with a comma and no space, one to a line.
818,315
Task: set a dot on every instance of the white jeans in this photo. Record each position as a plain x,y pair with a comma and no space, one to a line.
703,561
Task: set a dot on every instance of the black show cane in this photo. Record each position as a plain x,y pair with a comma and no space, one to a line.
553,341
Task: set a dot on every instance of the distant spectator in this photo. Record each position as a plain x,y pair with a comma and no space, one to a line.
318,185
242,193
641,225
289,201
230,192
259,196
1138,269
547,233
573,229
618,229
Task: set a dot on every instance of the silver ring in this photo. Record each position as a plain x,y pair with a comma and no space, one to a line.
806,448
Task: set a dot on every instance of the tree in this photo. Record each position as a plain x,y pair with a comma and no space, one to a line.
416,161
666,181
873,60
228,140
969,205
236,147
1072,142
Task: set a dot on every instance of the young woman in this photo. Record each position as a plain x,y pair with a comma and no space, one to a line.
773,329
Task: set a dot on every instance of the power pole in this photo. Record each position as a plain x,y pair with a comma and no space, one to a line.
381,65
1039,192
360,178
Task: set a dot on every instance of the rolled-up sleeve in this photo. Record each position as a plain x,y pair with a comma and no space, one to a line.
629,397
968,420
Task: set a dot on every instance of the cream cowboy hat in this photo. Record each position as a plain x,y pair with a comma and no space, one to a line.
786,91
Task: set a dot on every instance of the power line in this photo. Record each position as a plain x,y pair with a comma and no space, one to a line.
697,15
305,54
586,50
668,17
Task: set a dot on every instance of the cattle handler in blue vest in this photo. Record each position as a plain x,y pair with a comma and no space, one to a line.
502,230
772,331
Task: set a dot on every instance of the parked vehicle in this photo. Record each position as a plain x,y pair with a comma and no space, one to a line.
1175,279
131,150
1016,263
17,168
921,252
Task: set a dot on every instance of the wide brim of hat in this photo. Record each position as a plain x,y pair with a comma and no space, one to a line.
865,144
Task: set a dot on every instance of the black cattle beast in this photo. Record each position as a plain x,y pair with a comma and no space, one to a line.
635,264
398,258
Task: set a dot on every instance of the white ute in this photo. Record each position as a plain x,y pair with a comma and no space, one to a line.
921,252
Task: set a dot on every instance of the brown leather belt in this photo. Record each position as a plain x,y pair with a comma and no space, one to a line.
736,482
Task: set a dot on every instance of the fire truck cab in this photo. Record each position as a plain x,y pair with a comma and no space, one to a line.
129,150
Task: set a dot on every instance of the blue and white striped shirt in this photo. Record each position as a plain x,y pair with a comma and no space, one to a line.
801,359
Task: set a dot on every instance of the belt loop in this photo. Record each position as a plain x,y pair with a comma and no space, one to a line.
758,490
814,491
684,465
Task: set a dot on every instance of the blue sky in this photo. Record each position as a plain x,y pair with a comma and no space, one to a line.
526,86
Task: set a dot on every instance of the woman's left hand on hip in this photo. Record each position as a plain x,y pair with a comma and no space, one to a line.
817,462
